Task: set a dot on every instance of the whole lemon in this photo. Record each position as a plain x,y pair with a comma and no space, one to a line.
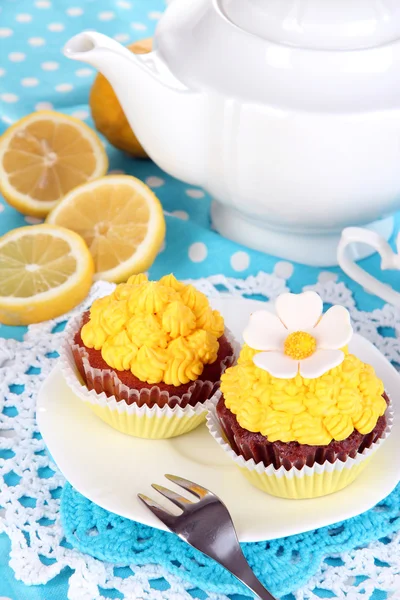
107,114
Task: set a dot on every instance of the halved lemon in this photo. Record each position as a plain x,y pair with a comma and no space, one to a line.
45,271
44,156
120,219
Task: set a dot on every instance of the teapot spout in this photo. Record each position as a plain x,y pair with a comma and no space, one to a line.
166,116
97,50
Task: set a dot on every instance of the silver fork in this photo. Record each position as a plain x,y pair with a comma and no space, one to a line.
207,526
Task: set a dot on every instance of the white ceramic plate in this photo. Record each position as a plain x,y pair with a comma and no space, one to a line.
110,468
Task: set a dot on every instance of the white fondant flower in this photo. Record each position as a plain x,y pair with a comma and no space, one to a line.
298,339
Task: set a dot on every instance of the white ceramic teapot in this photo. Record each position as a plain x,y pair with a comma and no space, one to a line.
286,111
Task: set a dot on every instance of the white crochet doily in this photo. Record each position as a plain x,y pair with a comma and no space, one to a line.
30,483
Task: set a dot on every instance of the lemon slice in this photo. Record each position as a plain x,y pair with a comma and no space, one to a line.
121,221
45,271
44,156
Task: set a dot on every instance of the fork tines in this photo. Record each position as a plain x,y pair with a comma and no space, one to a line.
164,515
196,489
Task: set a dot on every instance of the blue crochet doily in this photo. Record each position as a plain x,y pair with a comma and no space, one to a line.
283,565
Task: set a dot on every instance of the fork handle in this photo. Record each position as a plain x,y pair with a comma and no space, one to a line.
240,568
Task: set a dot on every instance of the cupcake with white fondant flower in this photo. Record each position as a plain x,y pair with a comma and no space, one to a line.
300,414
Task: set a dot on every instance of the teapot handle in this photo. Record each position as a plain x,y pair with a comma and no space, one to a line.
390,260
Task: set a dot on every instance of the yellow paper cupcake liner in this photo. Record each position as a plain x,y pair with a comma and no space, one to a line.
296,484
309,486
139,421
151,427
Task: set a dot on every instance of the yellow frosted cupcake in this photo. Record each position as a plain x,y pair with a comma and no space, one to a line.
148,356
299,414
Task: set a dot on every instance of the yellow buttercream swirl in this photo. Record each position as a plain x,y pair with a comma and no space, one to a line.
184,363
195,300
137,279
95,336
205,344
119,351
151,298
146,330
150,364
210,320
308,411
161,331
178,319
172,282
113,318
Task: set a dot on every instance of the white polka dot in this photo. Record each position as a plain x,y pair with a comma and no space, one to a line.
2,208
198,252
81,114
17,56
122,37
36,41
181,214
139,26
240,261
163,247
326,276
64,87
50,66
75,11
6,119
2,72
195,193
29,82
43,4
55,27
116,172
107,15
284,269
9,98
33,220
23,18
44,106
155,15
5,32
124,4
84,72
155,182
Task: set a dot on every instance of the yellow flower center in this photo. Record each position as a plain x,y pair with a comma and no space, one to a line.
300,345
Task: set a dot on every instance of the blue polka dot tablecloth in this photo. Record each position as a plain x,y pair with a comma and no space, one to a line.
34,75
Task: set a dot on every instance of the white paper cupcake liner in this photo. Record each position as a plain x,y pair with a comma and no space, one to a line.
307,482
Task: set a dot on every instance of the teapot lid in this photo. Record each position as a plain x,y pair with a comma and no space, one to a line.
320,55
318,24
